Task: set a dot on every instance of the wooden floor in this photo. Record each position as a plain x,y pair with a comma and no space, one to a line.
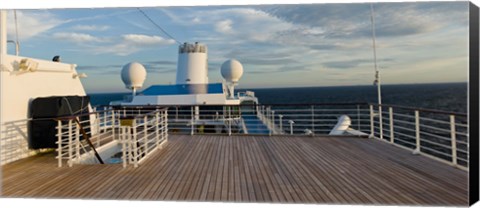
324,170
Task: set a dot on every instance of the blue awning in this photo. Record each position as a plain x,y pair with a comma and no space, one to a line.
185,89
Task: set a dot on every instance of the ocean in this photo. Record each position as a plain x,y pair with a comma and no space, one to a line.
445,96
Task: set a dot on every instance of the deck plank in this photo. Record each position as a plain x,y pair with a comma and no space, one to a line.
284,169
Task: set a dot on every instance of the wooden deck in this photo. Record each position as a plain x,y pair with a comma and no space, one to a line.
324,170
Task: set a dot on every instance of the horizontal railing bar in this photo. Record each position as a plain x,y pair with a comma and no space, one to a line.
435,128
436,144
405,129
436,136
462,151
403,122
404,141
420,109
434,120
405,135
404,115
436,151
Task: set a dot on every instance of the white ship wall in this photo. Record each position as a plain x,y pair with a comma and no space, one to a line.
18,89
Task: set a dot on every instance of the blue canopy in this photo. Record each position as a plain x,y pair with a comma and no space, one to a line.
184,89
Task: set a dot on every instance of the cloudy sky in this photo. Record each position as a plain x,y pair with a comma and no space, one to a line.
278,45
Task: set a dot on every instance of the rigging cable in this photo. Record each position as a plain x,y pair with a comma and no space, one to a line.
158,26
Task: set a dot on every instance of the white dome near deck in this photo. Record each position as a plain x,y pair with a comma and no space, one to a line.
232,70
133,75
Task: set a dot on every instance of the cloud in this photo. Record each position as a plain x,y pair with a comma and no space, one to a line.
91,27
224,26
132,43
78,38
123,45
31,23
141,40
150,66
392,19
347,64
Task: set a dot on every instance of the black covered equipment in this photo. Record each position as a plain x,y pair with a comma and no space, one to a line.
44,111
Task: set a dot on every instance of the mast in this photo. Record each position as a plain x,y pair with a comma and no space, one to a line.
377,73
3,33
3,53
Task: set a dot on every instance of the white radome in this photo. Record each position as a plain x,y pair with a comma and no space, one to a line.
232,70
133,75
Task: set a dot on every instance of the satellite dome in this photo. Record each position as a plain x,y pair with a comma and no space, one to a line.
133,75
232,70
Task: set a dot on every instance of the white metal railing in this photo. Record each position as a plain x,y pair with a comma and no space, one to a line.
14,142
106,128
263,119
437,134
141,135
71,130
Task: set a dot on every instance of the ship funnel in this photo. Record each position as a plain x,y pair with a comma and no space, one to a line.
232,71
133,76
192,66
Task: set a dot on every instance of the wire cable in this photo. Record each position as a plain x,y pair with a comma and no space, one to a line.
158,26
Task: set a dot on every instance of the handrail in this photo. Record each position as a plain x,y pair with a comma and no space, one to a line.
425,131
421,109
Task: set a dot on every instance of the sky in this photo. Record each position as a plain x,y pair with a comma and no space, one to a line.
278,45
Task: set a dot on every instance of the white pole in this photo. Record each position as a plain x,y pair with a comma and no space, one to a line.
3,33
377,73
280,121
291,127
390,112
3,53
417,132
60,145
453,136
372,134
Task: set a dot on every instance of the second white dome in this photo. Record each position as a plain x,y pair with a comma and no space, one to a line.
133,75
232,70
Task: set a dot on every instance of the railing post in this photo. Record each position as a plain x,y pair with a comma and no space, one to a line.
70,150
97,129
291,126
372,127
358,118
417,132
145,135
105,119
273,122
313,120
280,116
453,135
390,113
157,133
165,123
123,139
59,139
229,121
77,141
192,127
112,124
380,120
135,145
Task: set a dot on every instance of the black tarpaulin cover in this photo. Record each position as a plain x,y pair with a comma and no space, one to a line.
43,111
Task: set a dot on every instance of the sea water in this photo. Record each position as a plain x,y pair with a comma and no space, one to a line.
445,96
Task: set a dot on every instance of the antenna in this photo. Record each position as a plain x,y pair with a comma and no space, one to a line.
377,73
